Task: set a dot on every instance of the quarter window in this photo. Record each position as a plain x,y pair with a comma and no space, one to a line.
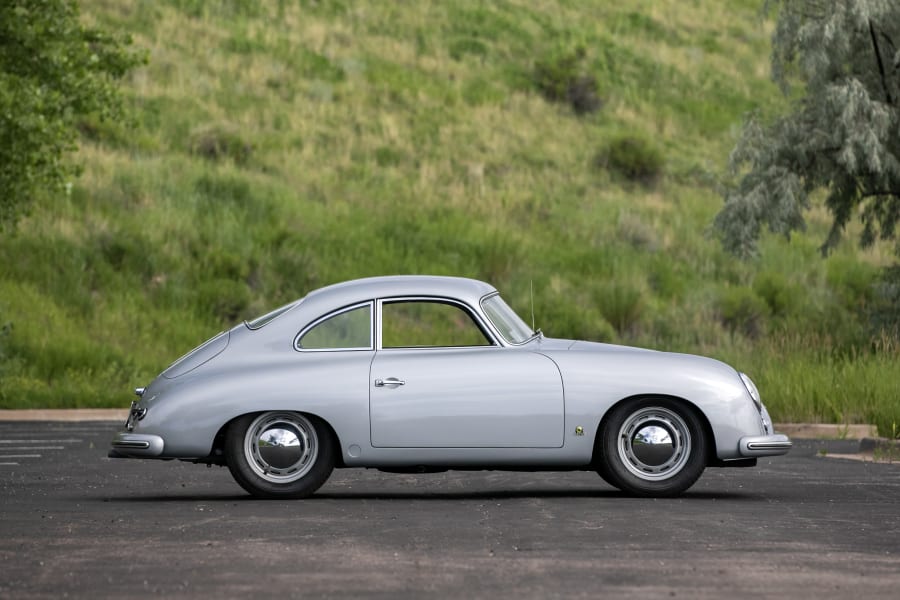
348,330
428,324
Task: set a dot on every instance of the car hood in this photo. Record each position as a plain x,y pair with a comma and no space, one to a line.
601,347
630,356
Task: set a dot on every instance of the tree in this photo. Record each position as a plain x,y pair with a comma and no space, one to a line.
843,135
54,71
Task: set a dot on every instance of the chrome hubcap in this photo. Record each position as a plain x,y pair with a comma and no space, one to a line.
654,443
281,447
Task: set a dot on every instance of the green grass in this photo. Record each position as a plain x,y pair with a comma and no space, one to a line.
821,384
277,147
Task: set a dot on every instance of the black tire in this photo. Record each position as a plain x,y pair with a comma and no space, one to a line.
279,454
654,447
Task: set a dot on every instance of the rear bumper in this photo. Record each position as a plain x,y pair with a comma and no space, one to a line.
765,445
136,445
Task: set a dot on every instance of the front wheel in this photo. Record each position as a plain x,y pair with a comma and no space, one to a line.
652,447
279,454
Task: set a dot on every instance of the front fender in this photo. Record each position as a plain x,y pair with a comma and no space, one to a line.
597,377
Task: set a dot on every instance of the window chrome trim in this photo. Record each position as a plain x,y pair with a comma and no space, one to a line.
263,320
325,317
507,342
489,334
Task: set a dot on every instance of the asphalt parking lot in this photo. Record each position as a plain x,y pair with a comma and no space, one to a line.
77,524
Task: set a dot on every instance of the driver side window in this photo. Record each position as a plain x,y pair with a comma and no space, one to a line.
428,324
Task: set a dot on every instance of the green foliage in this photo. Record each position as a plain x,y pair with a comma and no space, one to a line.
54,71
741,310
467,46
814,382
885,308
226,300
621,305
220,143
632,157
851,282
843,135
562,77
5,331
780,296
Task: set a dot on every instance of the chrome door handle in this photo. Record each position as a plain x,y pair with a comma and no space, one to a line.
389,381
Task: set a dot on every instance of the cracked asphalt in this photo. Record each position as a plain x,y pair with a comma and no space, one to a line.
76,524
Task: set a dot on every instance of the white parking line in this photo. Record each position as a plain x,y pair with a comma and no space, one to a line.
39,441
31,440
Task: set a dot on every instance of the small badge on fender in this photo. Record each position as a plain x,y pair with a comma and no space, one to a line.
579,430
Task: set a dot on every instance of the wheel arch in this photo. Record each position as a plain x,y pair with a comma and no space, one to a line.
217,453
701,417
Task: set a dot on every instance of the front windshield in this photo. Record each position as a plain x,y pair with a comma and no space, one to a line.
507,322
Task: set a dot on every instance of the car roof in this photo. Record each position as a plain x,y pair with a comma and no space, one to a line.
358,290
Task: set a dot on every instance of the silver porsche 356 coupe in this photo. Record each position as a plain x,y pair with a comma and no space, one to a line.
424,374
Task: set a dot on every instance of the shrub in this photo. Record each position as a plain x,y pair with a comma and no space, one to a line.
665,279
577,321
741,310
216,190
5,331
780,296
852,280
562,78
884,313
634,158
459,48
219,142
636,232
621,305
386,156
224,299
597,329
124,252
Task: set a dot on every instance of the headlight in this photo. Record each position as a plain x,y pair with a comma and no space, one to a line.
754,393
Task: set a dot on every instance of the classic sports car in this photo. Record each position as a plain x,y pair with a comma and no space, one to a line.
425,374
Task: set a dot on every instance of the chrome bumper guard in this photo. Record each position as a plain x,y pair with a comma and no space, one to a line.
765,445
136,445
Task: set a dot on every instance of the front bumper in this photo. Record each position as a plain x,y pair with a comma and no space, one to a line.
136,445
765,445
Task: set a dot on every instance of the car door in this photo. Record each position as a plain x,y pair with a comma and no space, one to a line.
440,380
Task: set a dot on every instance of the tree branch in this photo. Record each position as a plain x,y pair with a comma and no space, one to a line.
890,41
884,85
895,193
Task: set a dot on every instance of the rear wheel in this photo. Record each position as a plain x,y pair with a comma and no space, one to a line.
652,447
279,454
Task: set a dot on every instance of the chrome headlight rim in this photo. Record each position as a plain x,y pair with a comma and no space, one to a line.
752,390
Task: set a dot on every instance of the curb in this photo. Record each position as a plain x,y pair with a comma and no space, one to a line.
826,431
873,445
72,415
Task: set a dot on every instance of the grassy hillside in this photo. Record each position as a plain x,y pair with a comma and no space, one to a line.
280,146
